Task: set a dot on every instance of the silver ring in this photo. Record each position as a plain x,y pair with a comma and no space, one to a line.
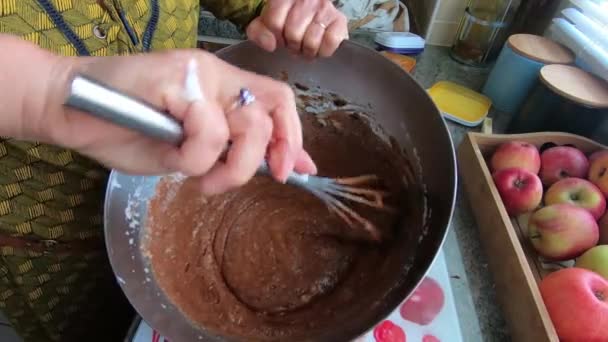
321,24
245,97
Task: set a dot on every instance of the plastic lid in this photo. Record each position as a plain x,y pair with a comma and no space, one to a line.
399,40
540,49
576,85
459,103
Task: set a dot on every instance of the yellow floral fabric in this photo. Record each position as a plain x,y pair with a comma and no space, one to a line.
55,279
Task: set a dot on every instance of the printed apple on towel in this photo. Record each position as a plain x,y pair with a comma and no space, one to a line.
415,316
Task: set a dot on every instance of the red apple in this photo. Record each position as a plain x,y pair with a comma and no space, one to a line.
603,224
424,304
562,231
388,331
521,191
516,154
577,302
598,171
597,155
562,162
579,192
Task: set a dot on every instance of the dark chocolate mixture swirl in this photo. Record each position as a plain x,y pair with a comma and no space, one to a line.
269,261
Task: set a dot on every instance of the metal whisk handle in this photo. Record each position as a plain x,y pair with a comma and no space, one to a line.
110,104
114,106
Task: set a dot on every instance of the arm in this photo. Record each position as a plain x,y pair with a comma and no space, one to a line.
34,85
240,12
27,72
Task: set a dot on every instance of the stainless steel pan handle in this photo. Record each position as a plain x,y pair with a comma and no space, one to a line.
112,105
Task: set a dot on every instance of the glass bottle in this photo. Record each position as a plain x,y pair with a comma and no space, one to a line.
483,30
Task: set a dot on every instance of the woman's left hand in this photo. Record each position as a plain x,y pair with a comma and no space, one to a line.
310,27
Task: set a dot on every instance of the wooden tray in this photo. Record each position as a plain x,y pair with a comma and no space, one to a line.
515,266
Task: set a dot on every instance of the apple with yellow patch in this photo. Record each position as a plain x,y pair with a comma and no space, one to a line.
562,231
579,192
598,170
516,154
596,260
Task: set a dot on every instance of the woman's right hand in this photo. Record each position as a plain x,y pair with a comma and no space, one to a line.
267,128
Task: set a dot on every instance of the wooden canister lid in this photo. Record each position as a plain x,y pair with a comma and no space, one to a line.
576,85
540,49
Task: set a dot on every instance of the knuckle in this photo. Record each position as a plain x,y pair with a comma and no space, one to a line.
309,50
286,92
263,125
248,119
325,6
291,37
309,45
334,40
312,3
273,23
214,130
254,29
238,178
325,52
266,127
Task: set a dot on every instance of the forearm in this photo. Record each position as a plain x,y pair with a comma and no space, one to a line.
31,80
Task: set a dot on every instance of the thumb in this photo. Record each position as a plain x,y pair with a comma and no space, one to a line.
261,35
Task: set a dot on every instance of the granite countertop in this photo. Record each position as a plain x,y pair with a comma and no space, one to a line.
472,284
471,280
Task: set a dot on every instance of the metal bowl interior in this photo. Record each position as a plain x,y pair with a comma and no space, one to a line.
400,107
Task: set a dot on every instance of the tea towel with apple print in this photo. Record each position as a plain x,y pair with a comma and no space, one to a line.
429,315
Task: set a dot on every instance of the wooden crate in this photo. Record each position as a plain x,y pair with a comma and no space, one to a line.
515,266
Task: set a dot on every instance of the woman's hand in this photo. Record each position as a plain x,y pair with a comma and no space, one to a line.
311,27
269,127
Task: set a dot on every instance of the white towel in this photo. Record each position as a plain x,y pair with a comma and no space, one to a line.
373,14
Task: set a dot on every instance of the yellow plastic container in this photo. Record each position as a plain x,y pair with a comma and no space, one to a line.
459,103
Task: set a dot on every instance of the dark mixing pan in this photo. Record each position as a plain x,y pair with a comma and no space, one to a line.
397,104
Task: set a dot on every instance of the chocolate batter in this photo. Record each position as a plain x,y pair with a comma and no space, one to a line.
269,261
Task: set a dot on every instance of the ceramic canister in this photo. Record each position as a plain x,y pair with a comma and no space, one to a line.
517,67
565,99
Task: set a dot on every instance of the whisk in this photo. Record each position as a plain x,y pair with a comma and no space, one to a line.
102,101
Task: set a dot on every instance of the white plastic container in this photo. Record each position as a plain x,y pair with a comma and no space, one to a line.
405,43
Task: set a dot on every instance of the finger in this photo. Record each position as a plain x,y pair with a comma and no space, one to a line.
206,135
280,160
250,132
274,16
312,40
261,35
287,131
304,164
326,14
299,18
336,32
